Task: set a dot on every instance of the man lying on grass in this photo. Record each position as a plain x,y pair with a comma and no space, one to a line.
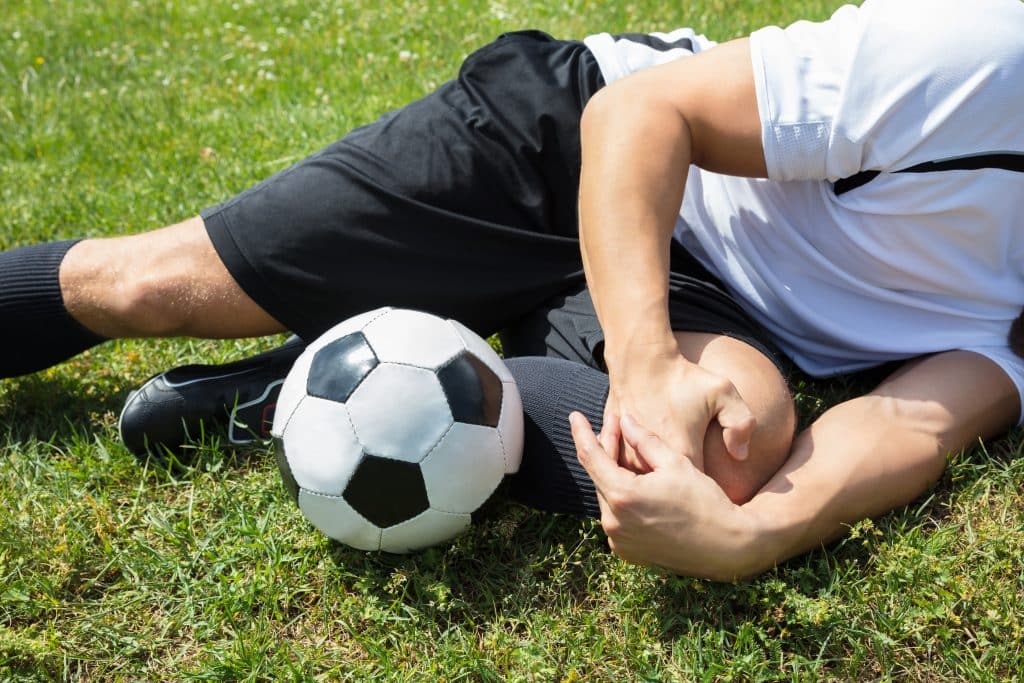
684,217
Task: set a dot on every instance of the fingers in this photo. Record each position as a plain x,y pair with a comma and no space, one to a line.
610,437
737,422
655,452
604,470
609,479
609,411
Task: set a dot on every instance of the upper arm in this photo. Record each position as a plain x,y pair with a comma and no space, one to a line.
957,397
900,435
712,97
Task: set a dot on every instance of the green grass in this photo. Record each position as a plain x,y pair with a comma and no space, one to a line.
122,116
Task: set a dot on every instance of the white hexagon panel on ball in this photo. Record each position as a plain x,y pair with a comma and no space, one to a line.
412,337
335,518
320,446
464,469
424,530
399,412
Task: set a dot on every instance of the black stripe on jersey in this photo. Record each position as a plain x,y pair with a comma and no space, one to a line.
654,42
1007,161
844,185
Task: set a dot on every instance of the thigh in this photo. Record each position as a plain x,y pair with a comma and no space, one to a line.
461,204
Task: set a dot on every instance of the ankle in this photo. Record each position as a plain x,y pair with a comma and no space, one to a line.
43,332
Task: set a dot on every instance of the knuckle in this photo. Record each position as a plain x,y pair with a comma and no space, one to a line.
648,440
585,451
614,499
618,500
722,386
611,526
718,384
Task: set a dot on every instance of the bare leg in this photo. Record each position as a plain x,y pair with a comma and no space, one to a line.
764,389
551,478
167,282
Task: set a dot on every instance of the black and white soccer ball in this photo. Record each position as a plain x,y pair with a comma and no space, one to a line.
394,426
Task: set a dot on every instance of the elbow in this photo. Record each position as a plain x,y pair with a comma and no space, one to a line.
627,106
742,568
597,112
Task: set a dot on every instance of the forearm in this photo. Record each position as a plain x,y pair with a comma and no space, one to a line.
857,461
636,154
877,452
635,159
639,138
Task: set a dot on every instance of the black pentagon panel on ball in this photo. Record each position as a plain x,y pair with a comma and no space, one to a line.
387,491
472,389
287,478
339,367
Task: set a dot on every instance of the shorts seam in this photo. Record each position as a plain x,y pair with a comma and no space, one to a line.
220,228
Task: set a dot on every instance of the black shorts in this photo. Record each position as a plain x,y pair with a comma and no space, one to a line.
462,204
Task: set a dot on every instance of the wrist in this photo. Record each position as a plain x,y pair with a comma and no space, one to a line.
732,553
761,547
639,351
745,555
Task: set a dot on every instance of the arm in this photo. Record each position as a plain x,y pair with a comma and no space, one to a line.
860,459
869,455
639,137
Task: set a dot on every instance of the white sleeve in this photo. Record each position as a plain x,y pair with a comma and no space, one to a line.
888,85
1010,363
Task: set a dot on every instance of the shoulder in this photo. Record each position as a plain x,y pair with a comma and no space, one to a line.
945,34
934,34
890,84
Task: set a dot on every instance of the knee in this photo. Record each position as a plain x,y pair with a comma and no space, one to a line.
151,304
766,393
769,448
118,288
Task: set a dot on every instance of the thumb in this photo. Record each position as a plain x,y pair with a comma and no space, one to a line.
603,470
610,436
737,422
649,445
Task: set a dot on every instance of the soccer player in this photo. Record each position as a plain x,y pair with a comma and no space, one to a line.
658,225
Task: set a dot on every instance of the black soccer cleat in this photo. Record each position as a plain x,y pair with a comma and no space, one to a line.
234,401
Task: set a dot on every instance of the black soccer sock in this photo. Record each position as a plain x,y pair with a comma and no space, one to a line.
36,331
550,477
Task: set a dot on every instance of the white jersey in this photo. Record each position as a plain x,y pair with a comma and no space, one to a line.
908,263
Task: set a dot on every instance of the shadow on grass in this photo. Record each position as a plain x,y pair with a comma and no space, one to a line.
515,559
520,559
57,405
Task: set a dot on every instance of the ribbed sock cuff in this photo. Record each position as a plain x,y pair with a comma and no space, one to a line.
37,329
550,477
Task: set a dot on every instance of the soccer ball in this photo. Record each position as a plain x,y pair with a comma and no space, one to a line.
393,427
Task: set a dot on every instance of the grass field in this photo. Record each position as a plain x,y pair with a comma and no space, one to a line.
126,115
